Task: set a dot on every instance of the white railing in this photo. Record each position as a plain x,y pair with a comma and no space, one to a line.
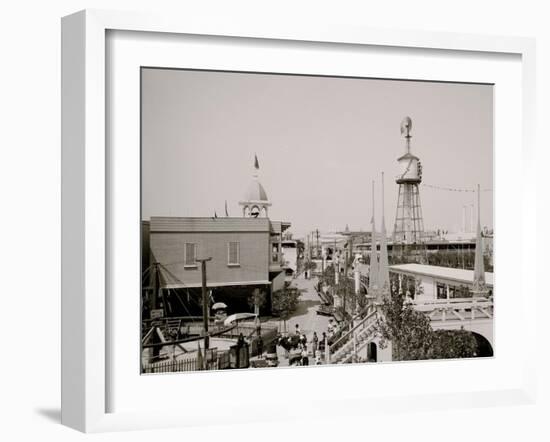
458,308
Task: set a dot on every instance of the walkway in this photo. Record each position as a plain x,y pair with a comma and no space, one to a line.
305,315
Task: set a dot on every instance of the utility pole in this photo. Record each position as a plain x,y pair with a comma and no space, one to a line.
155,279
336,265
320,252
204,303
317,249
348,259
155,304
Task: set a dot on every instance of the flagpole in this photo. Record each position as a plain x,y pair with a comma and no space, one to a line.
383,218
373,268
383,271
373,202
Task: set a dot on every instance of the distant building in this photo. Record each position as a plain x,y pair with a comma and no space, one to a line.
357,237
290,256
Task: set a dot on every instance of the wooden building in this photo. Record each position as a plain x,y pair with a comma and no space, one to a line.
440,283
246,254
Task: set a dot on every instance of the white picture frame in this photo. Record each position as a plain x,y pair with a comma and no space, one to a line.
86,202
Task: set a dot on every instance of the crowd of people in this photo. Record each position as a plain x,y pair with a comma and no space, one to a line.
299,349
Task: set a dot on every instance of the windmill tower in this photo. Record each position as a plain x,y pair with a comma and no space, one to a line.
409,225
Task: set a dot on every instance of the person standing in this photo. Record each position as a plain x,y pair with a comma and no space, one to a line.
305,358
260,347
240,340
314,342
318,357
241,356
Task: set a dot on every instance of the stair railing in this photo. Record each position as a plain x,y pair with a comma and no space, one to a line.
335,346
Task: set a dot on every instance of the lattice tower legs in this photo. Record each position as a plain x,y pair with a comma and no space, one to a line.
409,224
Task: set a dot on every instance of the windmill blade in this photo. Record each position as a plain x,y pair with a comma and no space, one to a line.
406,126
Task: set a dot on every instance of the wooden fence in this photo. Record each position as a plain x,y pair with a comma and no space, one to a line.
236,357
192,364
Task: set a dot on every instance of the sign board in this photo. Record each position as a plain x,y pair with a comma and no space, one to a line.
157,313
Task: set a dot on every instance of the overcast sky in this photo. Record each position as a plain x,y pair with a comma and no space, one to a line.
320,142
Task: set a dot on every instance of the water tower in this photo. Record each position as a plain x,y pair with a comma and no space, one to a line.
409,225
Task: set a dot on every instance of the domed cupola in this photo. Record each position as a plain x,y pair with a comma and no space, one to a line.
255,201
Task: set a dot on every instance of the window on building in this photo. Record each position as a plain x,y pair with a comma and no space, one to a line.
275,252
190,252
453,293
233,258
441,291
461,291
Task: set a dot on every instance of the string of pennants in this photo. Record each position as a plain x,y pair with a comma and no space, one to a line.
453,189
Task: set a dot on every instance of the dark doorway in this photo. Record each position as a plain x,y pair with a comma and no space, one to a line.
372,352
484,347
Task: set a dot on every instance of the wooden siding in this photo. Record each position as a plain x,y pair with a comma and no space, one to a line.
254,252
187,224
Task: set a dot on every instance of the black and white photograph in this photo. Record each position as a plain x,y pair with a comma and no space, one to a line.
233,220
297,220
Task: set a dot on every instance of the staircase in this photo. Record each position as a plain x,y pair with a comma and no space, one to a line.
341,351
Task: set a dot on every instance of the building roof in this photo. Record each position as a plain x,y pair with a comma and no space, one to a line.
255,192
407,156
279,226
458,275
209,224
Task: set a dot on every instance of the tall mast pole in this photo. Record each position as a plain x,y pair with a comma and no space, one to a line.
383,219
383,270
373,267
480,288
478,207
373,201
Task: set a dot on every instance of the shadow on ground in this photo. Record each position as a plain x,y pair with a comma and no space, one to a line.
51,414
304,306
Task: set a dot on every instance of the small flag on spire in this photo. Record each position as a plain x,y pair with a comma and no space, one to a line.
256,163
